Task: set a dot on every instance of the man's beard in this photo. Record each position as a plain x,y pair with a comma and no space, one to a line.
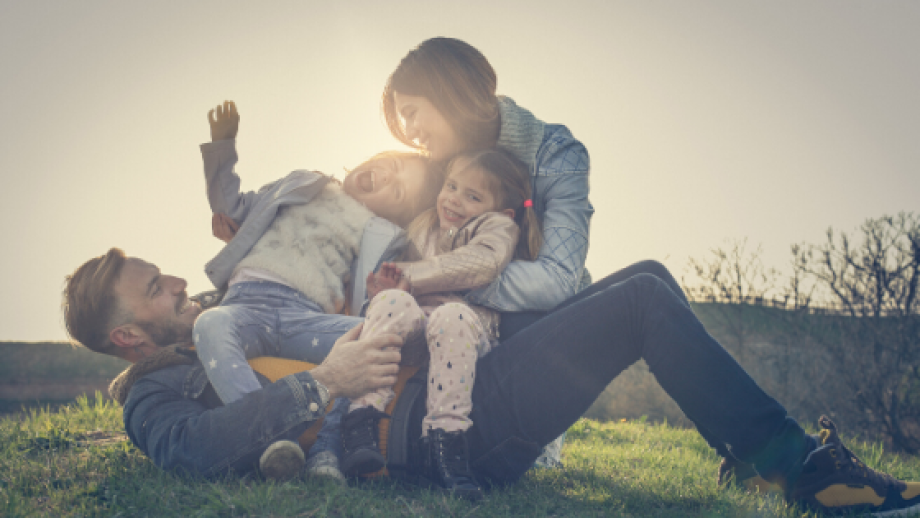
165,334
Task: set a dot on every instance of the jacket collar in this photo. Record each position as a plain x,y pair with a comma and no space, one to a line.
521,132
177,354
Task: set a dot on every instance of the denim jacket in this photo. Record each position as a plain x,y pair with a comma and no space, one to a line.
559,167
173,415
381,240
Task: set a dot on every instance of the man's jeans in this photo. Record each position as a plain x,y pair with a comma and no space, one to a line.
546,375
267,319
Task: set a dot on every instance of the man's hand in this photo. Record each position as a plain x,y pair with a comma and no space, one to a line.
223,227
388,277
225,121
355,367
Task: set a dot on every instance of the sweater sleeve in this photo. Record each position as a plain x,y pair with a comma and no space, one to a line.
223,183
475,264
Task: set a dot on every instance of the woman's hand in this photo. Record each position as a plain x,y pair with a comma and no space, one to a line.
223,227
389,277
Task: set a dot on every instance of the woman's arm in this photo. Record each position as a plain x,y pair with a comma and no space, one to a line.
562,188
475,264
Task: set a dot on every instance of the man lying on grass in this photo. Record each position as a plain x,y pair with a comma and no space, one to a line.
528,391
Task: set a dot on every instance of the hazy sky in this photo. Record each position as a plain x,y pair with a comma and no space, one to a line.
705,120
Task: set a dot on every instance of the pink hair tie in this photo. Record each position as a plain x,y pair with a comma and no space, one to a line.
528,203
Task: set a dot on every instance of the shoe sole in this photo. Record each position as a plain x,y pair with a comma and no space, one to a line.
470,495
363,462
282,460
909,511
863,510
327,473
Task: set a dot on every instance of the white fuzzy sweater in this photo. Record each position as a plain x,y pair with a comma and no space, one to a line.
312,246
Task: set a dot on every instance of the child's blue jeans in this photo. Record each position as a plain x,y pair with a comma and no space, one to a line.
267,319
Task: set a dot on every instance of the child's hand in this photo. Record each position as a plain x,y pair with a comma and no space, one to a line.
225,121
393,277
388,277
223,227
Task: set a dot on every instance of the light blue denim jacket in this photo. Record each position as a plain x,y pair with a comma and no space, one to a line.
559,167
255,211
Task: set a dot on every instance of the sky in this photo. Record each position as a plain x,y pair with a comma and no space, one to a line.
706,121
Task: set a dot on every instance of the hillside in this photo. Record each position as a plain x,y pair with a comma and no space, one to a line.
51,372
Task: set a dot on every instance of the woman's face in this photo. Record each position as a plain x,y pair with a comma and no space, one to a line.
428,127
389,187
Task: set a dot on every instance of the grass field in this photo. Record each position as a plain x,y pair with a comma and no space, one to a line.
75,461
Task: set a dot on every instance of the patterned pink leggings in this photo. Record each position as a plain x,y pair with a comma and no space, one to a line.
455,340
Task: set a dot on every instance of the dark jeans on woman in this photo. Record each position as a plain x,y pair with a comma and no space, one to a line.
546,374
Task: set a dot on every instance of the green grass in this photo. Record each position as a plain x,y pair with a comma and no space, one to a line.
76,462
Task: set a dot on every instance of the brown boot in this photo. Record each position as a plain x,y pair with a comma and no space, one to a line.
361,443
448,464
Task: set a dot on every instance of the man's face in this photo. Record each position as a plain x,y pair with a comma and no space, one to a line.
159,303
389,187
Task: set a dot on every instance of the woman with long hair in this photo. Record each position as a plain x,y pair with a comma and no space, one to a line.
442,99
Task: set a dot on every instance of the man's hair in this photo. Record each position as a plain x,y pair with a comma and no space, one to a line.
91,308
434,179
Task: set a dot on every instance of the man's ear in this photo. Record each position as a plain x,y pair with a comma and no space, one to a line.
126,336
509,213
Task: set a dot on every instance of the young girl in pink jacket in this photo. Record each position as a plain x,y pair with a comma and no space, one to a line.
462,243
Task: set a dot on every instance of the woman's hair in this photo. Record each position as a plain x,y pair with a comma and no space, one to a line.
459,82
509,181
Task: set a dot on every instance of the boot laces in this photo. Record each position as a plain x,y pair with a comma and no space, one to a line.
364,432
849,461
454,461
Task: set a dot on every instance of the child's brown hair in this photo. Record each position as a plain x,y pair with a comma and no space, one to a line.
509,180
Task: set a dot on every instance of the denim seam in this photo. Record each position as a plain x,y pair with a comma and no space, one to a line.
647,309
500,449
520,365
566,227
556,173
300,397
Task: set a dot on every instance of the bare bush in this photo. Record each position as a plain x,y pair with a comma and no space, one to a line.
840,337
736,281
872,331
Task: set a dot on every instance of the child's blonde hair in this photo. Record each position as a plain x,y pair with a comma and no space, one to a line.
431,186
508,180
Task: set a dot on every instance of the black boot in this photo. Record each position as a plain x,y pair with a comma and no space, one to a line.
360,441
448,464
